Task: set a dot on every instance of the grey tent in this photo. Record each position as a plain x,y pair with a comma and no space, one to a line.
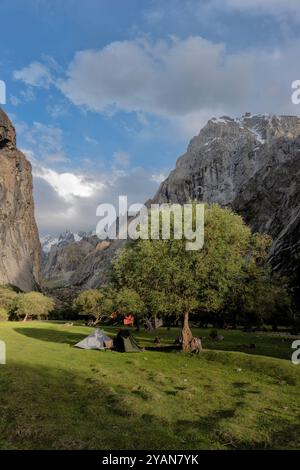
124,342
96,340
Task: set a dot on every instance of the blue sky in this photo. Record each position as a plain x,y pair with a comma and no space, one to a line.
106,94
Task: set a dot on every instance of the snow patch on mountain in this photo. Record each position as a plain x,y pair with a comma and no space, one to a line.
66,238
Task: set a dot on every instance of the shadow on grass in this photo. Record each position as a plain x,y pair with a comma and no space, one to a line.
281,434
164,348
81,415
52,336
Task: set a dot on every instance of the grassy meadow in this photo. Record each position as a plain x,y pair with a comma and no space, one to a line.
54,396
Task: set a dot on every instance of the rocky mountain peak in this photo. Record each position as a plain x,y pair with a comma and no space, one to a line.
225,155
262,128
66,238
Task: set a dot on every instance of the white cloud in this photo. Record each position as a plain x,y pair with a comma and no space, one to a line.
25,96
35,74
186,81
154,16
28,94
68,185
121,158
68,200
158,177
56,158
57,110
90,140
259,7
47,137
183,81
168,78
58,208
47,141
15,101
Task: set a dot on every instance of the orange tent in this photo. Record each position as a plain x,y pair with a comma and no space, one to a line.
129,320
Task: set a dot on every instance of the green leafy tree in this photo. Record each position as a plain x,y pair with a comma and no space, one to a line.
172,280
8,297
129,301
96,303
33,304
272,303
3,314
258,296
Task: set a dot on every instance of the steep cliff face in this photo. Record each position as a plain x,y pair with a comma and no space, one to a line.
252,164
19,241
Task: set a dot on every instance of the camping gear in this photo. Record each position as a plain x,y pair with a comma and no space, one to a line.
129,320
96,340
196,345
124,342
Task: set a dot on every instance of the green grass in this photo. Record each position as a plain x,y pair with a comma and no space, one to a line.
54,396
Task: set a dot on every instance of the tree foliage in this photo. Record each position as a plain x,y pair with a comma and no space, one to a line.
129,301
171,280
34,305
8,298
3,314
95,303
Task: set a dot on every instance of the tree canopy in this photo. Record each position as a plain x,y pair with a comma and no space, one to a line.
95,303
171,280
33,304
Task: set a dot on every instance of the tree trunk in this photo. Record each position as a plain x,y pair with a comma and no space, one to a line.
26,317
186,333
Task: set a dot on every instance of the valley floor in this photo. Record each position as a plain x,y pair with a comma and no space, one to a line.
54,396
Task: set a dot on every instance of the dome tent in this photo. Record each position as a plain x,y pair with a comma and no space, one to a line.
124,342
96,340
